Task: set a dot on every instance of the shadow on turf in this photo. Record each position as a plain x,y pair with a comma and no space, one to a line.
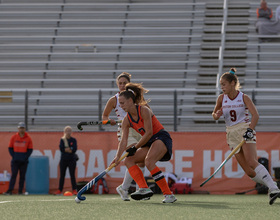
206,205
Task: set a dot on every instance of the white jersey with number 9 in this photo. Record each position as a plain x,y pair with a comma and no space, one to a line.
234,110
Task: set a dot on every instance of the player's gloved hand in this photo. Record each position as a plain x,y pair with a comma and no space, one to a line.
131,151
249,134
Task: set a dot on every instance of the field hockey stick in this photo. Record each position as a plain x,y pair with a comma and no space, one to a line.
79,197
82,123
250,190
224,162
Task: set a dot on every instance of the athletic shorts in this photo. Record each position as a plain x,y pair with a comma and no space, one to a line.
164,136
133,136
235,135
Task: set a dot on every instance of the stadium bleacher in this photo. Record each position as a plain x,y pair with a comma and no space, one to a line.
67,55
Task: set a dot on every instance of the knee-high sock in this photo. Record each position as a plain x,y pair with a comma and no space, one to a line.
138,176
143,171
126,180
264,178
160,181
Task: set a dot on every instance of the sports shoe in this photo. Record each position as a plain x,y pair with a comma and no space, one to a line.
142,193
169,199
273,195
8,192
123,193
74,192
58,192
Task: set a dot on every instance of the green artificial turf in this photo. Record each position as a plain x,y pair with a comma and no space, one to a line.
112,207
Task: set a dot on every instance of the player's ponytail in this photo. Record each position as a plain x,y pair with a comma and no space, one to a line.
231,76
135,91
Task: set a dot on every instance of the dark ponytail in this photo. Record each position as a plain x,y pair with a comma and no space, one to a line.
135,91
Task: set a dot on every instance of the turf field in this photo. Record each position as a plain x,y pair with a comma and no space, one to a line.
111,207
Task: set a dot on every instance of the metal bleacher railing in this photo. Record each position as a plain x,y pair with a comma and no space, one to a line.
73,105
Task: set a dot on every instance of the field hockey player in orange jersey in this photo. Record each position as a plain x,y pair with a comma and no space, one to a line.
155,144
133,136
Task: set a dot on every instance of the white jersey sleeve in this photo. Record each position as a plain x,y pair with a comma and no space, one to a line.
234,110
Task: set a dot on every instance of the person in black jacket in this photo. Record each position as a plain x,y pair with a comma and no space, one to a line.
68,148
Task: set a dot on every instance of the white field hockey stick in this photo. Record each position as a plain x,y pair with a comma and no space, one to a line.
224,162
79,197
81,123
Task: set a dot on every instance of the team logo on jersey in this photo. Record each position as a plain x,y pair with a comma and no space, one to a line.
141,130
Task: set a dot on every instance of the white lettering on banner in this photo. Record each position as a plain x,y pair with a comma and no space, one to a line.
96,163
228,168
262,153
80,164
208,163
180,163
53,161
113,173
95,156
275,162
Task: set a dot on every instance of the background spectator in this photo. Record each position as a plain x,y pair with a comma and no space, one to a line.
68,148
264,11
270,27
20,148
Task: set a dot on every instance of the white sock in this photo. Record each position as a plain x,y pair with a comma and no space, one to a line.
126,180
143,171
263,177
257,178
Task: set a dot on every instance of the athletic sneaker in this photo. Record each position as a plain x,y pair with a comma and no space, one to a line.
123,193
9,193
169,199
74,192
58,192
142,193
273,195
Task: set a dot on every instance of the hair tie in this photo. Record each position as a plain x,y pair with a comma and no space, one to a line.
232,72
130,90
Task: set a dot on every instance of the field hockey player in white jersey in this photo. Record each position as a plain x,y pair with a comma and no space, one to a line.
234,106
134,137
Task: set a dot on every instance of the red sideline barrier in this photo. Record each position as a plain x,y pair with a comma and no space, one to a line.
195,155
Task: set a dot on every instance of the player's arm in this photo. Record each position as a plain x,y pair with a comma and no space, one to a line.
258,14
218,111
270,13
110,105
252,109
11,147
123,142
29,149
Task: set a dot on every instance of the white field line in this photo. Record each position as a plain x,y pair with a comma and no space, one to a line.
49,200
2,202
